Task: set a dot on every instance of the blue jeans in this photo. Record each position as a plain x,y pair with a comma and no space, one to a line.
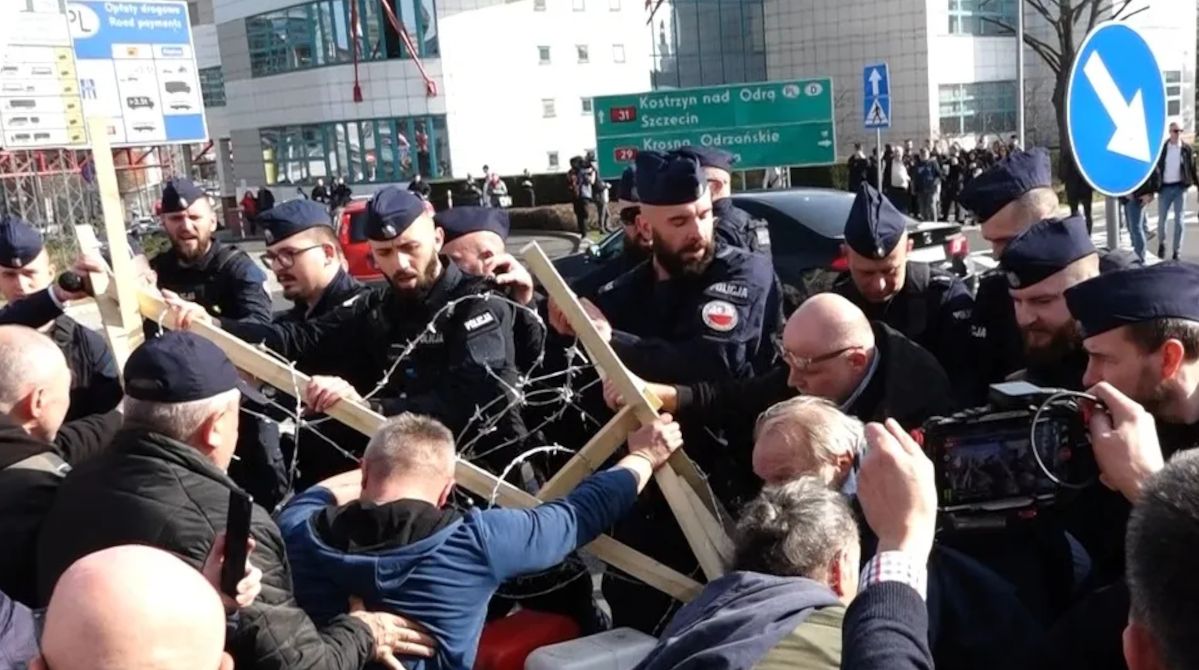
1134,218
1170,196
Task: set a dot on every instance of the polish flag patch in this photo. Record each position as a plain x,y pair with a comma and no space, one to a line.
720,316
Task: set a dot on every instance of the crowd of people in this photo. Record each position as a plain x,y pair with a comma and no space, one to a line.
115,500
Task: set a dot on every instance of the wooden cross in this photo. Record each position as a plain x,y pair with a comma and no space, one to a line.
123,302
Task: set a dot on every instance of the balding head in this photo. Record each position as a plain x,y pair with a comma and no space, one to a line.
35,382
133,608
410,456
829,345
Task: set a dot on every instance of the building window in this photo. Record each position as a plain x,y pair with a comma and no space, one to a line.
587,105
584,53
539,5
617,53
580,5
978,108
543,55
707,43
362,151
1173,92
614,5
547,108
212,86
551,159
319,32
981,17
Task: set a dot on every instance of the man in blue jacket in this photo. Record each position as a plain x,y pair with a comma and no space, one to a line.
385,536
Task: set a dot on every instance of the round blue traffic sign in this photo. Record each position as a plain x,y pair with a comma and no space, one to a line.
1116,109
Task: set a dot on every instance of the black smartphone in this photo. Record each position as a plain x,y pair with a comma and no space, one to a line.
237,537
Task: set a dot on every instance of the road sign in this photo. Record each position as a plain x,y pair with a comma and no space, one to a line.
131,63
1116,109
876,96
764,124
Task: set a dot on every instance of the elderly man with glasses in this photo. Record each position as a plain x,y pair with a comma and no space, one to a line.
829,350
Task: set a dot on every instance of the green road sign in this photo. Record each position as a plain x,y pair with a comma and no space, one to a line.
763,124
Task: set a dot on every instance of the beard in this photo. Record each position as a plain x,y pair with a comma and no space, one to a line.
190,249
676,265
634,250
425,279
1152,393
1061,345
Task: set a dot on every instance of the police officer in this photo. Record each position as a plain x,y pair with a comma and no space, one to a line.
1040,265
734,226
25,269
1006,199
930,306
306,258
636,246
404,349
700,311
227,283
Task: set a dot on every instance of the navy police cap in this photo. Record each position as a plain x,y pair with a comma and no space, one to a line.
1006,181
178,367
179,194
628,188
1045,248
711,157
20,242
1134,295
459,221
874,227
390,211
669,179
294,216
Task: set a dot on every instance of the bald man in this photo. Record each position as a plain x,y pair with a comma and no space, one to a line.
133,607
35,446
830,350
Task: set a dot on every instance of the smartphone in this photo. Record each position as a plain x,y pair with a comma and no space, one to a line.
237,537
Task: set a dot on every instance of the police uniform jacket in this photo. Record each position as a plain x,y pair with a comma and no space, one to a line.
224,281
736,227
934,309
337,294
454,360
685,330
95,380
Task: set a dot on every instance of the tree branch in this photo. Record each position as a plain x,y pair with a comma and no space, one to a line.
1047,53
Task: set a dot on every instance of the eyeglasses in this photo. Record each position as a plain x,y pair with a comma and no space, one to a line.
1175,131
285,258
802,364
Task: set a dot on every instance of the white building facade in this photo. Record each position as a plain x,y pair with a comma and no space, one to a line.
504,84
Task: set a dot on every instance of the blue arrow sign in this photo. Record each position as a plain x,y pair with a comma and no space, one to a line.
876,87
1116,109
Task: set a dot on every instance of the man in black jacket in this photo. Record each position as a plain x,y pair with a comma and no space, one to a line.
36,448
163,483
1176,174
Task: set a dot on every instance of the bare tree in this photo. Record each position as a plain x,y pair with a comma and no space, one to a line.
1071,21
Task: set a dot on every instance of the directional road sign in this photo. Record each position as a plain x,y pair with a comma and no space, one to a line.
764,124
876,86
1116,109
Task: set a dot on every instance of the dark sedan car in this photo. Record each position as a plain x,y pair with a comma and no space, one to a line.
806,227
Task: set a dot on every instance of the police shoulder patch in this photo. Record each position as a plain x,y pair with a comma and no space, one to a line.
719,315
479,321
730,290
944,280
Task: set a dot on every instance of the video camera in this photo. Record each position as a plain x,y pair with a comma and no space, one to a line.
1020,452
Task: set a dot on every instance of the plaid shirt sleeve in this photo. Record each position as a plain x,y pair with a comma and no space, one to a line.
894,566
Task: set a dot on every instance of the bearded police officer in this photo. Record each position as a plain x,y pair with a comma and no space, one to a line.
226,283
1040,264
306,258
25,270
734,226
931,307
699,311
430,343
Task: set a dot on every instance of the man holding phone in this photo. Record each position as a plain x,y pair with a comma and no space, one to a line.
164,483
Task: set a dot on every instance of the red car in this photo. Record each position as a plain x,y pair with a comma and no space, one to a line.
351,234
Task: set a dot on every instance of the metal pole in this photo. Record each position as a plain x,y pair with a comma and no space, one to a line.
878,149
1020,73
1112,217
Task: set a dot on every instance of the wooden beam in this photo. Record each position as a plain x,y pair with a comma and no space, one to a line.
704,532
593,454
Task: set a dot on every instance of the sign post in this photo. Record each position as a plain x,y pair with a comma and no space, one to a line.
764,124
1115,114
876,107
